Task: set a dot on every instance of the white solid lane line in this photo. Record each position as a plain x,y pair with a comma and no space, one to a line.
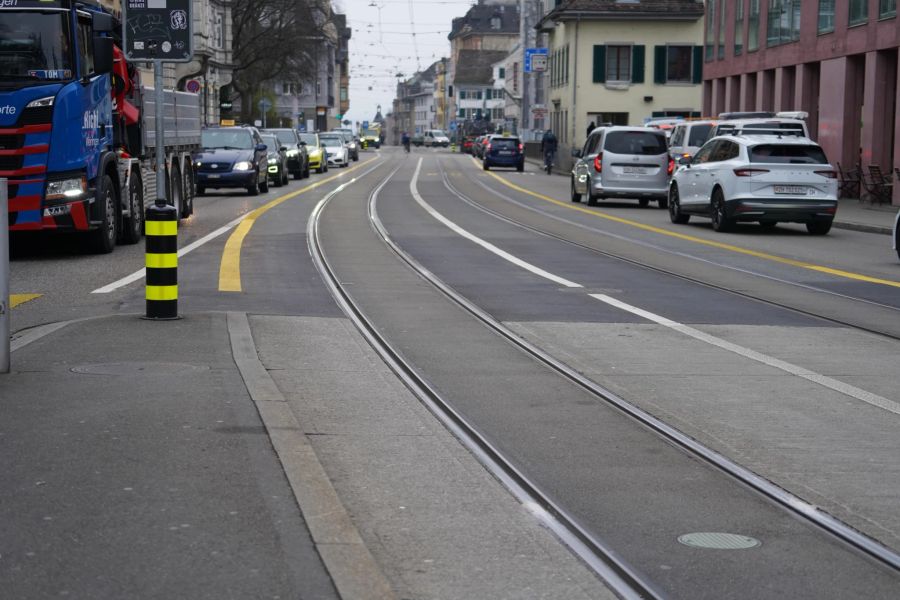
138,275
413,188
823,380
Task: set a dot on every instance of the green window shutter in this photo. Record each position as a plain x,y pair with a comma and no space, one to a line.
637,64
698,64
659,64
599,64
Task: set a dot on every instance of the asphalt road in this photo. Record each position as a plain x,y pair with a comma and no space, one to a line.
773,347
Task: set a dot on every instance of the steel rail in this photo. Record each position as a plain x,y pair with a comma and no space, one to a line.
780,496
663,271
622,578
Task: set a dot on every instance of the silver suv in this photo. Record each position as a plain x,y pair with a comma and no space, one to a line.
623,162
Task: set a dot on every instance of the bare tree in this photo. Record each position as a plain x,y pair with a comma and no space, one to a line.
276,39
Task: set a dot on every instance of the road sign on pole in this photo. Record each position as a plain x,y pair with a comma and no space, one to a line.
535,60
158,30
264,105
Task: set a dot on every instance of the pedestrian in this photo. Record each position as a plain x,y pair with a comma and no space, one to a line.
405,141
592,126
549,145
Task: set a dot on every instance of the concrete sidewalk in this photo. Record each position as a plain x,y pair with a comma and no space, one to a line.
235,456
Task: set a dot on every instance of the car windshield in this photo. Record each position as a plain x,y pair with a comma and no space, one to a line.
699,134
788,154
645,143
271,143
35,46
286,138
227,139
331,140
438,133
311,139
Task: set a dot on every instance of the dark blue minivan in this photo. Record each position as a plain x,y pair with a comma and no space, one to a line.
504,151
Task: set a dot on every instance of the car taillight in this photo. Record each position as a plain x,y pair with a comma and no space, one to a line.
488,147
521,147
671,168
598,163
749,172
828,174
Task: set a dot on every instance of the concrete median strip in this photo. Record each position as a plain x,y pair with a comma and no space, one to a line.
354,571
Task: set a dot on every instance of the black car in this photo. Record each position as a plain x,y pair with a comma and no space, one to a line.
297,156
503,151
277,160
232,157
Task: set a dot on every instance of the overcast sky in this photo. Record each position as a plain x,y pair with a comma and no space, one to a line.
383,45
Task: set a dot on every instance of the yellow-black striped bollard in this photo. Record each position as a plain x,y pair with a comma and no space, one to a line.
162,261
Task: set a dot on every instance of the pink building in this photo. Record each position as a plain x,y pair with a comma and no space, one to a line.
835,59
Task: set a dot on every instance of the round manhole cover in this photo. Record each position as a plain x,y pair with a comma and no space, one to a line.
138,368
718,541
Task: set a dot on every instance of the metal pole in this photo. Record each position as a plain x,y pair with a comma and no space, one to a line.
160,128
4,278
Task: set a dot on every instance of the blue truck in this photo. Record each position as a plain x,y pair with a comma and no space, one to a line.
77,141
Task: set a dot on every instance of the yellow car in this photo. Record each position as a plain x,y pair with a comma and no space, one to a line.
316,152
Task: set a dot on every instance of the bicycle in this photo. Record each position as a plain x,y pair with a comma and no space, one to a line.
548,161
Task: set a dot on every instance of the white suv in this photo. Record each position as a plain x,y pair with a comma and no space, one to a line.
762,178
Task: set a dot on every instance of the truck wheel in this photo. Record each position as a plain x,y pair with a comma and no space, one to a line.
133,226
103,239
176,195
187,192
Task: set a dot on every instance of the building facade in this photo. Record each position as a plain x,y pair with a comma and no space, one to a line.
478,101
621,63
834,59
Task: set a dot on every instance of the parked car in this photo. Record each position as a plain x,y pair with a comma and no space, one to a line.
315,151
467,145
688,136
335,148
504,151
480,142
297,155
231,157
763,178
417,140
623,162
277,160
897,234
436,137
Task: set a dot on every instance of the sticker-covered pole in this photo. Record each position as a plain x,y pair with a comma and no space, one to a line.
4,278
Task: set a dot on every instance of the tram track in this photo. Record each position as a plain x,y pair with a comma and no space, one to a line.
627,581
843,322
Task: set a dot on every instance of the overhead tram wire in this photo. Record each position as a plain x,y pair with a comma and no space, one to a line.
412,26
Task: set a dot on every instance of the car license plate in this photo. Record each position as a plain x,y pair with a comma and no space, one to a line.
214,176
636,170
796,190
505,153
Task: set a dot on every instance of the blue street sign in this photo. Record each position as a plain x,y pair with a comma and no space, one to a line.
452,125
541,65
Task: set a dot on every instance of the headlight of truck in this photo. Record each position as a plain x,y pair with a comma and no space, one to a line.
40,102
66,188
243,166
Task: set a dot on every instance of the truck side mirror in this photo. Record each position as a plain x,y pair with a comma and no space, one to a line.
103,55
101,22
261,148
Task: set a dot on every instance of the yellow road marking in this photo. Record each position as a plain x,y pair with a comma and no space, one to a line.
17,299
722,246
230,267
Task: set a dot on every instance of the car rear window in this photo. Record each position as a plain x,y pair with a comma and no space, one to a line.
286,137
788,154
505,143
699,134
645,143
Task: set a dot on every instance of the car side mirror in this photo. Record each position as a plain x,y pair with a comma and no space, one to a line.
302,143
261,147
576,152
283,149
685,161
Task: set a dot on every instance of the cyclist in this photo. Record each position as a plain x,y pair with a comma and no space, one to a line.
549,145
404,139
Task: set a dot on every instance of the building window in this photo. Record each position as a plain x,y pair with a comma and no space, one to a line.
784,22
721,44
501,73
618,63
678,64
739,28
710,28
887,8
859,11
753,27
826,16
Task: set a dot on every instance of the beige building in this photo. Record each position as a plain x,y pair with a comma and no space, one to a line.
621,63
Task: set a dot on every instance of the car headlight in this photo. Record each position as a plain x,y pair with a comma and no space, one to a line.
243,166
198,164
66,188
273,161
293,152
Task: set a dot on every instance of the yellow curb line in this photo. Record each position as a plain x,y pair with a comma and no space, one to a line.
690,238
17,299
230,267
